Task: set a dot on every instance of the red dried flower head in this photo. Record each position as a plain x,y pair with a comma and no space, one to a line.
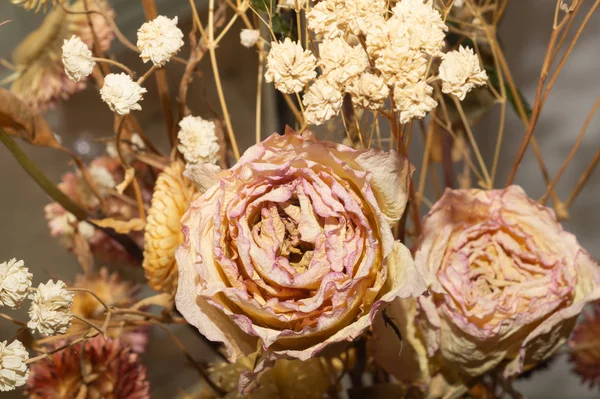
104,369
584,347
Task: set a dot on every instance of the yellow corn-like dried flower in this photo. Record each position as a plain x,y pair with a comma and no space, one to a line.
172,196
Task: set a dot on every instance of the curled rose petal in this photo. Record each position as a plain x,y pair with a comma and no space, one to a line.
506,285
291,249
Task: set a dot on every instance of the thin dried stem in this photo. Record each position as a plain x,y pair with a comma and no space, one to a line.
199,367
463,117
540,95
588,120
583,180
161,82
92,293
215,68
115,63
13,320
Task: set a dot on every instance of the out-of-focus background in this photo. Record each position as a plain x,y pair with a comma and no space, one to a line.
524,35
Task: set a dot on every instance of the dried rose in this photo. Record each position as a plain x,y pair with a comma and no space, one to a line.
292,247
506,283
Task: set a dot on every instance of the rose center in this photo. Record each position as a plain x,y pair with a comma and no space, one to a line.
277,228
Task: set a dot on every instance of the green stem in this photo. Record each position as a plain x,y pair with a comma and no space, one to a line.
68,204
50,188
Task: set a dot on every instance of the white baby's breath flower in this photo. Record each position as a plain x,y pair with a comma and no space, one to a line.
458,3
289,66
77,58
121,93
460,72
86,230
368,91
15,281
401,65
358,15
249,37
13,366
413,100
341,62
322,102
323,19
426,28
159,40
198,141
102,177
377,37
50,311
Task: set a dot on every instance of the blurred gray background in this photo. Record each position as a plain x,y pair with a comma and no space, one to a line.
524,34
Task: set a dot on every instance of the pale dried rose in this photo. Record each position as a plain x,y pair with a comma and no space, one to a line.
292,247
506,284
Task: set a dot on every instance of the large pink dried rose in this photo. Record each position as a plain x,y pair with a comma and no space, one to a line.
291,249
506,284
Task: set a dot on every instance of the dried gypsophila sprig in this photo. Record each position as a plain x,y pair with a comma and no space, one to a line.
50,311
159,40
398,50
41,80
15,281
13,365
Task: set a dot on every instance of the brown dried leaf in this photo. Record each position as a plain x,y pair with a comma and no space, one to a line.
84,253
129,175
22,121
163,300
121,226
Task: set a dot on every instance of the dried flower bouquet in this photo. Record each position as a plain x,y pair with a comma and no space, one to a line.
311,263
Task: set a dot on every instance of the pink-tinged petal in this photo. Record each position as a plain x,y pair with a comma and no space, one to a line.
390,179
204,176
211,322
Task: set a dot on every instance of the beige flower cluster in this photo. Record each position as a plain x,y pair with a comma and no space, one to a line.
372,53
49,313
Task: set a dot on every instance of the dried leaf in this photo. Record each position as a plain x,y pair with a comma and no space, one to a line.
84,253
22,121
121,226
163,300
129,175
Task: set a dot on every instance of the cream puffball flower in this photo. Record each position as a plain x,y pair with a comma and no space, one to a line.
426,28
159,40
50,312
249,37
77,58
121,93
460,72
102,177
323,20
400,66
198,141
414,101
368,91
289,66
341,62
13,366
15,281
322,102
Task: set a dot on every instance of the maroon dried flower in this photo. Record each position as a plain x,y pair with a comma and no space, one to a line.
103,369
584,347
